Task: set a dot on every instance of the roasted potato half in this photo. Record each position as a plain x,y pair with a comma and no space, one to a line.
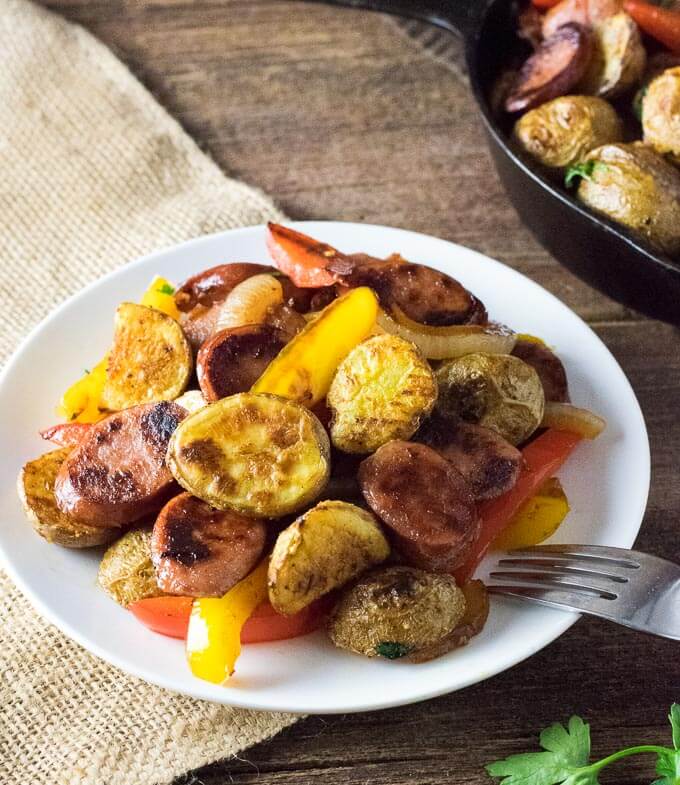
150,359
661,113
36,490
394,612
323,549
256,454
560,132
634,185
381,391
498,391
191,401
125,572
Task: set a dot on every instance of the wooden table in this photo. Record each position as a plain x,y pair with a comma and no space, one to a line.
340,115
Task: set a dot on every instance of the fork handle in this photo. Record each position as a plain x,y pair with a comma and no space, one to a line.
460,17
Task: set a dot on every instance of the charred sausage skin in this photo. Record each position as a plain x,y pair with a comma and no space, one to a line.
117,474
424,501
199,551
489,463
421,293
548,366
232,360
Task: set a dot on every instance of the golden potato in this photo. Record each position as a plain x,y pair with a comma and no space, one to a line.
36,490
322,550
619,58
150,359
192,401
634,185
661,113
381,391
560,132
497,391
253,453
394,612
125,572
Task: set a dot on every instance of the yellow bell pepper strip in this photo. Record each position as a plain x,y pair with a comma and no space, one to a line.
214,635
161,296
537,519
304,369
81,402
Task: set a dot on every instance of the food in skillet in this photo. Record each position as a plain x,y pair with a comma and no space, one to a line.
604,73
360,436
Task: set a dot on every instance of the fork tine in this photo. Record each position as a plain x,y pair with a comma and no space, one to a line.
556,598
590,553
555,580
568,567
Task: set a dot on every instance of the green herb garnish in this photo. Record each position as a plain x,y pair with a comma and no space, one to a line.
637,102
583,170
165,288
87,372
392,650
566,756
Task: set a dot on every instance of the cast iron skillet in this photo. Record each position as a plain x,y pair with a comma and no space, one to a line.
599,251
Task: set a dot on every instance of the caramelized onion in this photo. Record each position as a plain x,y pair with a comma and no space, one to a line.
444,343
565,417
249,302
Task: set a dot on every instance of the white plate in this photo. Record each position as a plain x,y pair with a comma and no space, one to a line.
607,483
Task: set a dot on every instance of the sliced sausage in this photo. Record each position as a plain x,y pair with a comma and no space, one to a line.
117,474
489,463
423,294
199,298
556,66
425,502
199,551
548,366
234,359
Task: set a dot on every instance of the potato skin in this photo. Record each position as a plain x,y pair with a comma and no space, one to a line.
256,454
661,113
619,58
323,549
498,391
125,572
634,185
560,132
150,359
396,611
381,391
36,491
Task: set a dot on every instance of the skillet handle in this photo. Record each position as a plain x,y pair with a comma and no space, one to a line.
460,17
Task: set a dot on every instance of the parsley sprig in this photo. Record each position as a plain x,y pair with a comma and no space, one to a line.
584,170
566,758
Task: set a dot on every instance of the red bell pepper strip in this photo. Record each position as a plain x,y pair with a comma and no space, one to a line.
660,23
545,3
303,259
66,434
542,458
170,616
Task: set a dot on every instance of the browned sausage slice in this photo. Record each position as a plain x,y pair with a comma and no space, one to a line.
200,551
199,298
423,294
548,366
233,360
556,66
424,500
489,463
117,474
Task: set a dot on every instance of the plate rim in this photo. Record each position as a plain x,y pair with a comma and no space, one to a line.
239,698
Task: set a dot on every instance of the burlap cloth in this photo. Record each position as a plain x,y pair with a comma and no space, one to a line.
93,173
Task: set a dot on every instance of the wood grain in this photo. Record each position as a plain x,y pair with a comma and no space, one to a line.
339,115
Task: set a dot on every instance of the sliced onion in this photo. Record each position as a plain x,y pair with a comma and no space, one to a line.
565,417
249,302
444,343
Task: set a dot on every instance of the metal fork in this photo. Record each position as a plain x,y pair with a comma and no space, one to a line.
627,587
